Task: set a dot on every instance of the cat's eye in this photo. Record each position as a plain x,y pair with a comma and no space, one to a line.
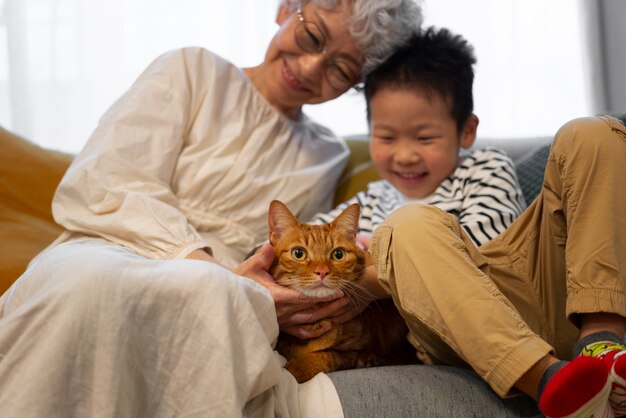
338,254
298,253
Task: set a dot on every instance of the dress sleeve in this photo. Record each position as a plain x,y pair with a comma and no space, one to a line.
492,196
119,186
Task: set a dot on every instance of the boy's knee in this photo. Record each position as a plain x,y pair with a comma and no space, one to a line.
414,217
588,135
418,221
410,223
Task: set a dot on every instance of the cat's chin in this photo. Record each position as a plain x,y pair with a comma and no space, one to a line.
320,291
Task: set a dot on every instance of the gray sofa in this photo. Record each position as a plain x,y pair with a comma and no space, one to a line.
442,391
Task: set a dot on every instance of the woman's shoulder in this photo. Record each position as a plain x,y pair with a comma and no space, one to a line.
205,75
195,58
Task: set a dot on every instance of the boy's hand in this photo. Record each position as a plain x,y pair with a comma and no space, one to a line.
363,241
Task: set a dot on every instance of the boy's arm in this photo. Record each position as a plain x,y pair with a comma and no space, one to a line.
328,217
492,197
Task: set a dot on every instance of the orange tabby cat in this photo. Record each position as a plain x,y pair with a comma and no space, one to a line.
319,260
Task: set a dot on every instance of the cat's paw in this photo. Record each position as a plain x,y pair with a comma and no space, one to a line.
315,327
367,359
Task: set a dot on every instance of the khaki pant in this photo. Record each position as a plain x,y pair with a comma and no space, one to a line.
501,307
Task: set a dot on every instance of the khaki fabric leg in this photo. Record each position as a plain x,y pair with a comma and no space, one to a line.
587,150
569,245
453,309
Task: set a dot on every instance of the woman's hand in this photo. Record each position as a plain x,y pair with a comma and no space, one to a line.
293,308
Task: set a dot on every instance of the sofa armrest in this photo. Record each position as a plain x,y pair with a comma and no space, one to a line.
358,172
29,176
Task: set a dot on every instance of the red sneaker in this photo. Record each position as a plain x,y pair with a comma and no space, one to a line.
618,376
580,389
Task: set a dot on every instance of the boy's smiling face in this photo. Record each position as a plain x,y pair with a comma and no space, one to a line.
414,140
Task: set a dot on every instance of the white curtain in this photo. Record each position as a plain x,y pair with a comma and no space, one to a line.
63,62
531,62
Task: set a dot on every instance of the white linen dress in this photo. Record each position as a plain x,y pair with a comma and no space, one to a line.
111,321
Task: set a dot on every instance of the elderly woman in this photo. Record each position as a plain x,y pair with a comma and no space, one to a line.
141,308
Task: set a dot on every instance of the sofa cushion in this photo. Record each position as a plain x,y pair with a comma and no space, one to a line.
358,172
423,391
530,171
29,176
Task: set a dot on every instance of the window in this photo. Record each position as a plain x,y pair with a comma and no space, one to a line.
64,62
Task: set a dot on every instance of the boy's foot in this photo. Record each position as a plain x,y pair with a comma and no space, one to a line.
618,376
614,356
580,389
610,348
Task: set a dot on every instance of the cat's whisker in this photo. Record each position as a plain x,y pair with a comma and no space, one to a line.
359,289
311,286
356,292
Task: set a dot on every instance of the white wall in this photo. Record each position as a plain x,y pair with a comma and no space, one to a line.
613,26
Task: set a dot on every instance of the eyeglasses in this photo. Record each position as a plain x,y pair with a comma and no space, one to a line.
310,38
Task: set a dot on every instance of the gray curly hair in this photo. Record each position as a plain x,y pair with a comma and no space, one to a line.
378,26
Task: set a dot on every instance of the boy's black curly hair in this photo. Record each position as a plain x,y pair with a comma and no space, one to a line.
434,61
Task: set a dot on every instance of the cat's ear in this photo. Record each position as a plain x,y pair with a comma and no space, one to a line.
348,220
280,219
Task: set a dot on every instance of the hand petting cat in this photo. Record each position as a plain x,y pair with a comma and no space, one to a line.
369,291
293,309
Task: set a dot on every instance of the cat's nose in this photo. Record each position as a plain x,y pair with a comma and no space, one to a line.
321,272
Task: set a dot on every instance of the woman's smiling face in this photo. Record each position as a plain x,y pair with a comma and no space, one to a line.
290,77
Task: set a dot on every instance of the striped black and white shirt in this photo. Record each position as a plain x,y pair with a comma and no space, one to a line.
483,193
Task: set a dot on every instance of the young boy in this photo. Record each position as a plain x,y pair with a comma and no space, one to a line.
419,107
548,288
